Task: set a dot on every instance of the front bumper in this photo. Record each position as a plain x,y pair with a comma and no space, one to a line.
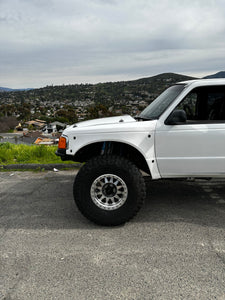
62,154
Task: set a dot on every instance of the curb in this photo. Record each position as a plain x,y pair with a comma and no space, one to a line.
40,166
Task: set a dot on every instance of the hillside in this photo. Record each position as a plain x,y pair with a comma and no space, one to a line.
3,89
217,75
68,103
144,88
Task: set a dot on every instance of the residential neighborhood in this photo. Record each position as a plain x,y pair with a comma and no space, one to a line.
69,104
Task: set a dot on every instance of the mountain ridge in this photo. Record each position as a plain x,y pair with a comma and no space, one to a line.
220,74
178,77
5,89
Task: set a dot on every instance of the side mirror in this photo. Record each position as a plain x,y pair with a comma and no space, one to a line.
177,117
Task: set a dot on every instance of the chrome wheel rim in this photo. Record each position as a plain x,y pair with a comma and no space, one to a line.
109,192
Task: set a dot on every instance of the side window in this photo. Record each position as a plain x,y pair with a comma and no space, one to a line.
216,106
204,105
189,105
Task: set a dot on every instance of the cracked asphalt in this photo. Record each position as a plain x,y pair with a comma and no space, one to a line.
173,249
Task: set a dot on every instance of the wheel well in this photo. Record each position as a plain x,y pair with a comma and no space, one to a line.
116,148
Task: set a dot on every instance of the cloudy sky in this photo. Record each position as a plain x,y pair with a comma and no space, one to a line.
44,42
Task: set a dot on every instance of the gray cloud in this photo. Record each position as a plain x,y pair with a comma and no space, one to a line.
55,42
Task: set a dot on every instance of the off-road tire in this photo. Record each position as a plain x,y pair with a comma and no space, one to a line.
115,177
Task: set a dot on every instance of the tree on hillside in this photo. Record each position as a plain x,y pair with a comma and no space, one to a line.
7,123
98,111
24,112
66,115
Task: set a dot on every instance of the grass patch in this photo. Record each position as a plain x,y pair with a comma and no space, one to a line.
28,154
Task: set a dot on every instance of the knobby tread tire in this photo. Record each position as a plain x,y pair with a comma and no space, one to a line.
114,165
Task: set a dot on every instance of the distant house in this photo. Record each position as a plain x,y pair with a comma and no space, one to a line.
53,127
37,124
45,141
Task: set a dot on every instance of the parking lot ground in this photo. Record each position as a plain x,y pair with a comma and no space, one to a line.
173,249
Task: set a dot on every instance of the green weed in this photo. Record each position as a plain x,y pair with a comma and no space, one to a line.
17,154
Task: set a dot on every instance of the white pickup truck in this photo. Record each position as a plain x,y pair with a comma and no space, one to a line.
180,134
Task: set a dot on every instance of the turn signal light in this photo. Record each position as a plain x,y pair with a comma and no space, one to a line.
62,143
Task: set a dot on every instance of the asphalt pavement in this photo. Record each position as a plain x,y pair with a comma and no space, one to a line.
173,249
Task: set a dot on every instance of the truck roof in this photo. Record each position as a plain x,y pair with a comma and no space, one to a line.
204,82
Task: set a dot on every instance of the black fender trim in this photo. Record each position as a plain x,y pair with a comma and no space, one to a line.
63,155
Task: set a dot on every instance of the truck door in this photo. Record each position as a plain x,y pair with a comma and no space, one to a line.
197,146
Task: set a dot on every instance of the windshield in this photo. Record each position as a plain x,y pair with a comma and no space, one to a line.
159,105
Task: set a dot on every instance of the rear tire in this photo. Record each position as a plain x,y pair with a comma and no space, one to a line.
109,190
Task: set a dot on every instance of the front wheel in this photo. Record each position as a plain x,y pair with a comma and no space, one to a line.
109,190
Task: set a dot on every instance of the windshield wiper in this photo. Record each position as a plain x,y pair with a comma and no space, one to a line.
142,118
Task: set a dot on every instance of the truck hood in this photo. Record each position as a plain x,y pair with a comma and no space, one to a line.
105,121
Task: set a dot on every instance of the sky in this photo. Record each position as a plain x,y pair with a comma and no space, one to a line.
55,42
